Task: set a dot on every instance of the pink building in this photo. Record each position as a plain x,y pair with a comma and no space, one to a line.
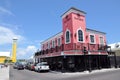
76,47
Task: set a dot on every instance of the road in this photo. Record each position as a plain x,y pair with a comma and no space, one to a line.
31,75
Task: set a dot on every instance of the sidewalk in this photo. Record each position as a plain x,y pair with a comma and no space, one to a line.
93,71
4,73
70,75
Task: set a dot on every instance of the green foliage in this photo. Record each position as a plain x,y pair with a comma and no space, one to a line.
7,61
21,60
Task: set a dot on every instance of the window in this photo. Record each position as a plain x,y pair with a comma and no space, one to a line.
43,46
53,43
80,35
48,45
101,40
92,39
59,41
67,36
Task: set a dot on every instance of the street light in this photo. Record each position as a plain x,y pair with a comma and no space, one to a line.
85,51
90,63
89,59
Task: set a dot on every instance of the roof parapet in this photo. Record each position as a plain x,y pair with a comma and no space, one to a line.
73,9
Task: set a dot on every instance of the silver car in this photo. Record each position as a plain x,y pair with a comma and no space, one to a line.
43,66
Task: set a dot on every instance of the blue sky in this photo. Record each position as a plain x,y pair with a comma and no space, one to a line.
33,21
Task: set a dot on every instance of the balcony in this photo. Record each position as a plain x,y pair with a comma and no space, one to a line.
77,48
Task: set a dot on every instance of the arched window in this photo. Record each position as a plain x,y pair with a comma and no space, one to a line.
67,36
80,35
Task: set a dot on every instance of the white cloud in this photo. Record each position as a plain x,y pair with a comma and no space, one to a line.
5,11
6,36
28,51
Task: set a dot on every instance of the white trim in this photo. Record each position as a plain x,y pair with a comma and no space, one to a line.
69,37
49,45
83,35
95,32
42,46
89,52
52,43
62,53
103,40
58,41
99,53
94,39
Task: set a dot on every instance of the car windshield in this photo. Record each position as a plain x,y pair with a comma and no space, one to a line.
41,64
19,63
23,63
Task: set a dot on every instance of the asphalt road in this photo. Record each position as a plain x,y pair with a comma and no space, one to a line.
31,75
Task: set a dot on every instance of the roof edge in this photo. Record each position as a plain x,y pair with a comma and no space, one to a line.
95,30
51,37
73,8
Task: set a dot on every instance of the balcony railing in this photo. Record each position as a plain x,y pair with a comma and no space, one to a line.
74,46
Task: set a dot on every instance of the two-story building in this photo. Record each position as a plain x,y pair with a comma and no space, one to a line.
75,47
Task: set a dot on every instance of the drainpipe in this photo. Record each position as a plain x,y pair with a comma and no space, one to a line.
89,60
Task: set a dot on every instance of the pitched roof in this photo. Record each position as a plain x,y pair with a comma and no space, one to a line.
52,37
95,31
73,9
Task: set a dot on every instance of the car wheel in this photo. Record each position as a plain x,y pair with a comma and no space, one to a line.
38,70
48,70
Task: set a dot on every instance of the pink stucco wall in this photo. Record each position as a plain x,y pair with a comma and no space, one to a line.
73,22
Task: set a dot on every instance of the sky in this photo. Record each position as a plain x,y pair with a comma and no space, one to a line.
33,21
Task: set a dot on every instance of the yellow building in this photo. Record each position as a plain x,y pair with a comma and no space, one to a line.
4,56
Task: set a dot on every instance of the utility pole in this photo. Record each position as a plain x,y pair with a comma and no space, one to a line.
85,51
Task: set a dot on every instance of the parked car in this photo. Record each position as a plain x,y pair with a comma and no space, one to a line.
43,66
15,65
18,66
30,66
24,64
27,66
